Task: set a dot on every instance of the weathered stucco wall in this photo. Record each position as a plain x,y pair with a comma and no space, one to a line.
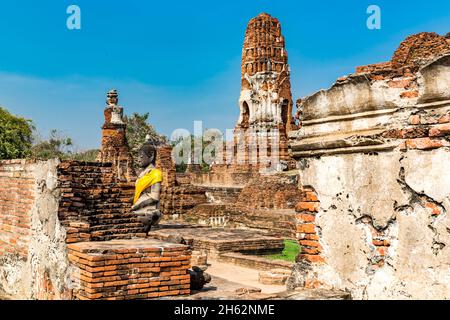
375,151
397,195
38,268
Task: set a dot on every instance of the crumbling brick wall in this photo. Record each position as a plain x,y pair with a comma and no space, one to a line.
415,51
45,205
17,195
33,259
178,195
270,192
419,48
373,150
307,233
94,205
266,202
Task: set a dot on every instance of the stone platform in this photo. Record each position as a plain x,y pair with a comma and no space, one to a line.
279,222
255,262
129,269
217,241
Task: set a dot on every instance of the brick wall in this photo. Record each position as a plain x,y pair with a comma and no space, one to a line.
33,259
270,192
267,202
94,207
178,195
415,51
425,131
419,48
307,233
17,194
279,223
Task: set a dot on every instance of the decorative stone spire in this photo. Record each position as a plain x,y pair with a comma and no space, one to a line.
266,98
113,112
265,101
264,47
114,142
112,98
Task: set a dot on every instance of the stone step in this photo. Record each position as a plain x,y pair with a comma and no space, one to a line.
255,262
219,240
113,226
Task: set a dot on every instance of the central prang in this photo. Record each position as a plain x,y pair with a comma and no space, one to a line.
148,187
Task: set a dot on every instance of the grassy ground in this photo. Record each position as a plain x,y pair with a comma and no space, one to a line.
290,252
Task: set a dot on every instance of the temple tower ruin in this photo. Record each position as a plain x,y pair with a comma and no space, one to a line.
266,101
114,147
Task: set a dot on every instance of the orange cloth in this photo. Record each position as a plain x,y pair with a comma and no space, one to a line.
148,180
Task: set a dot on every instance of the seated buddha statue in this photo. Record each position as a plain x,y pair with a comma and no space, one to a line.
147,188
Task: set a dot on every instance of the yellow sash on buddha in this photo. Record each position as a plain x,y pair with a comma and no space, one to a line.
151,178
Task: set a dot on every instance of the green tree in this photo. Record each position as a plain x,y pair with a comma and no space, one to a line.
138,127
16,135
193,141
57,146
86,156
60,146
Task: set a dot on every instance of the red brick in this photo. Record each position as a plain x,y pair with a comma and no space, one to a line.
435,210
309,243
306,217
306,228
409,94
305,250
425,143
311,258
440,130
309,196
384,243
382,251
444,119
307,206
414,120
399,83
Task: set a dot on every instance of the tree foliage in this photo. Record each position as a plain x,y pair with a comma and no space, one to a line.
18,139
86,156
56,146
138,127
60,146
182,144
16,135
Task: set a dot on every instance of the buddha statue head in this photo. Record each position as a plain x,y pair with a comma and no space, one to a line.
147,154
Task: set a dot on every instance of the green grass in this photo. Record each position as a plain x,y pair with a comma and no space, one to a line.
290,252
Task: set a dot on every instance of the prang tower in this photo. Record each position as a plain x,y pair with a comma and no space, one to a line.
266,100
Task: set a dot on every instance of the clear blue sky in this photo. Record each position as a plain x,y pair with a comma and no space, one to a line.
180,60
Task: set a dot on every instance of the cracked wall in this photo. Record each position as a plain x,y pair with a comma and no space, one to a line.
36,267
380,238
375,150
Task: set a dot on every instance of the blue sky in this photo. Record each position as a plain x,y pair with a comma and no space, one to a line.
180,60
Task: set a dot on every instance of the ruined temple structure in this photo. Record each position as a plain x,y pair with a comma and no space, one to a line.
66,230
114,147
266,101
373,155
368,200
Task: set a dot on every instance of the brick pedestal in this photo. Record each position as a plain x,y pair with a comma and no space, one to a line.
129,269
